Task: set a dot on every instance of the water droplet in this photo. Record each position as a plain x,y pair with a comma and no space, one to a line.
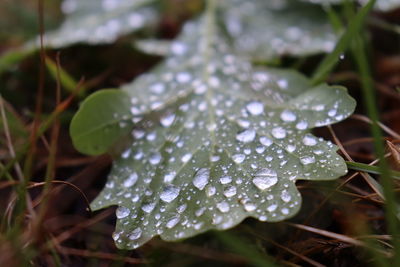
225,179
178,48
272,207
249,206
169,193
169,177
246,136
126,153
230,191
265,141
309,140
278,133
285,196
148,207
238,158
185,158
183,77
223,206
122,212
302,125
290,148
307,160
181,208
282,84
167,120
157,88
332,112
155,158
172,222
200,179
210,191
265,178
255,108
131,180
288,116
135,234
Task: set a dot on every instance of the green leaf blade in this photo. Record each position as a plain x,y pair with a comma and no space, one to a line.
102,119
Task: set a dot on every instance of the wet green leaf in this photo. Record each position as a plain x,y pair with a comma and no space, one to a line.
382,5
100,21
213,141
266,29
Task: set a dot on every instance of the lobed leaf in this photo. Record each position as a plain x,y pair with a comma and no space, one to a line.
213,141
263,30
382,5
100,21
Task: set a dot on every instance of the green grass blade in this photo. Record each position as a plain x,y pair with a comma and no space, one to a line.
330,61
246,250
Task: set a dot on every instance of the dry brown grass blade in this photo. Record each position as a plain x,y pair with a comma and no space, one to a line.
395,153
332,235
381,125
33,185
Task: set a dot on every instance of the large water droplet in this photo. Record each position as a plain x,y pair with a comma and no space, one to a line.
172,222
288,116
238,158
230,191
185,158
307,160
302,125
148,207
122,212
265,178
309,140
285,196
225,179
200,179
169,193
167,120
255,108
223,206
272,207
246,136
135,234
265,141
131,180
210,191
155,158
278,133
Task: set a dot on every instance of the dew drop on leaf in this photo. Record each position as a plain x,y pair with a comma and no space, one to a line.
278,132
255,108
167,120
265,178
302,125
131,180
169,193
225,179
238,158
246,136
122,212
309,140
223,206
200,179
172,222
307,160
288,116
135,234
